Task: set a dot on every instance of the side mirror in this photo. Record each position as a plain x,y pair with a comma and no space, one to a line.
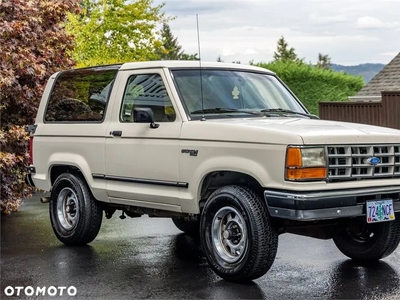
144,115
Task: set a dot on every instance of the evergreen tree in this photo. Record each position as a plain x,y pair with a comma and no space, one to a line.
170,49
284,53
324,61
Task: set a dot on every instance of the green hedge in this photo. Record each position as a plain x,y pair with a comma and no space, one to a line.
312,85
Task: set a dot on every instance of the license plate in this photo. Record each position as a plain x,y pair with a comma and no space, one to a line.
380,211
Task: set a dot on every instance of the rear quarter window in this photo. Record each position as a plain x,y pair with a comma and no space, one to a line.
80,95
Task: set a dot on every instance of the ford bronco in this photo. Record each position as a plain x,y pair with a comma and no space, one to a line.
225,150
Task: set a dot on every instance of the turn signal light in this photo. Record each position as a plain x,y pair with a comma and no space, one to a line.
306,173
293,157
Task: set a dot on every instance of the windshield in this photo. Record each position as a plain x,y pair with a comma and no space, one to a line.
232,89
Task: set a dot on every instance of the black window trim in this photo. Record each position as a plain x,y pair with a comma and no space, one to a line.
115,67
154,72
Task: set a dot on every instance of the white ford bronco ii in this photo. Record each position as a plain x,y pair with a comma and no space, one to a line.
227,151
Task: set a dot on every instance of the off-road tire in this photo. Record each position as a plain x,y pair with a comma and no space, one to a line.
235,217
189,227
371,242
71,228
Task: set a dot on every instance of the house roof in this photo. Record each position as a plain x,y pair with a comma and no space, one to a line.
388,79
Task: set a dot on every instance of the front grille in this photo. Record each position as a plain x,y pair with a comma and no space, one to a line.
352,162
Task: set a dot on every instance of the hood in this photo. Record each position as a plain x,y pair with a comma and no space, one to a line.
288,131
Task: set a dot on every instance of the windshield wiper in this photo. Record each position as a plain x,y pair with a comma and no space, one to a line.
281,110
226,110
257,113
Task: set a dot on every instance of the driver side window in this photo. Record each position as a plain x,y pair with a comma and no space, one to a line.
147,91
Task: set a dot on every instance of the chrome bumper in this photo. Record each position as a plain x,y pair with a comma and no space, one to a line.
309,206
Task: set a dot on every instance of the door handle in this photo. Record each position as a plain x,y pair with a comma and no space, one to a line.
116,133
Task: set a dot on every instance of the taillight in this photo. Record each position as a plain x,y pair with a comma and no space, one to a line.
31,150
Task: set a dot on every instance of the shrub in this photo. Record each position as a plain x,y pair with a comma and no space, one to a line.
33,46
312,85
13,160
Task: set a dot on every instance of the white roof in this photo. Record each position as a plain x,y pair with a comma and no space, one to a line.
189,64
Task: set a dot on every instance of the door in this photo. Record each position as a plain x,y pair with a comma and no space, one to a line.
141,161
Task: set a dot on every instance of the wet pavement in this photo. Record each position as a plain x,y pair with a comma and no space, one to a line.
150,258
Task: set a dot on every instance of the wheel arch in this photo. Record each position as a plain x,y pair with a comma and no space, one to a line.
58,169
96,187
218,178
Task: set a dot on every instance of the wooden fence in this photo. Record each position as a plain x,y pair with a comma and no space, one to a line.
383,113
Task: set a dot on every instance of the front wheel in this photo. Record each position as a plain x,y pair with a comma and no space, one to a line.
236,234
74,213
362,241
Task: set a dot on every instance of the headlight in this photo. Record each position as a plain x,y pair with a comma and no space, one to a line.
305,163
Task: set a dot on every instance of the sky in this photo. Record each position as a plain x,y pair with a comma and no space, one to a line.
351,32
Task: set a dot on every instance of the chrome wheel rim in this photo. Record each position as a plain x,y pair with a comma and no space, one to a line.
67,208
229,235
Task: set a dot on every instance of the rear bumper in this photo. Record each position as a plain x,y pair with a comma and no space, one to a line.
324,205
28,178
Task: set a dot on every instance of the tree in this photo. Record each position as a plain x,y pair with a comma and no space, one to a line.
186,56
284,53
324,61
115,31
170,49
34,45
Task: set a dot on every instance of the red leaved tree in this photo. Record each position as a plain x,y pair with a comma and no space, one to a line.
33,45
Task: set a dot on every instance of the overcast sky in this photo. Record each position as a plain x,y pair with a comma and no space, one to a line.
350,31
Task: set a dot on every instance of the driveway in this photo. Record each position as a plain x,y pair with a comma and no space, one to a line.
150,258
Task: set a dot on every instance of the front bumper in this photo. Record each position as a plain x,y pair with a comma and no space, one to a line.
323,205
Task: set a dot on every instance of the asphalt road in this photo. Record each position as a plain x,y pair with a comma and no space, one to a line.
150,258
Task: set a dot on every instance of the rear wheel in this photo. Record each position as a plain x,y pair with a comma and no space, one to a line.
236,234
363,241
74,213
190,227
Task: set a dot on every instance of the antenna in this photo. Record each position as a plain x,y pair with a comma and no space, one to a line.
201,75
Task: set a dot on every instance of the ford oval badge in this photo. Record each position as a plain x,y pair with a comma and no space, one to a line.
373,160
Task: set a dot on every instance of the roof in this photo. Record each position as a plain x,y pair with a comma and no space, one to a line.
189,64
388,79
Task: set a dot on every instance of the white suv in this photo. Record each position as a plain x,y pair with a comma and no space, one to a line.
227,151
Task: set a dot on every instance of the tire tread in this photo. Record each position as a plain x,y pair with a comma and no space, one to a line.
264,237
91,214
386,242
